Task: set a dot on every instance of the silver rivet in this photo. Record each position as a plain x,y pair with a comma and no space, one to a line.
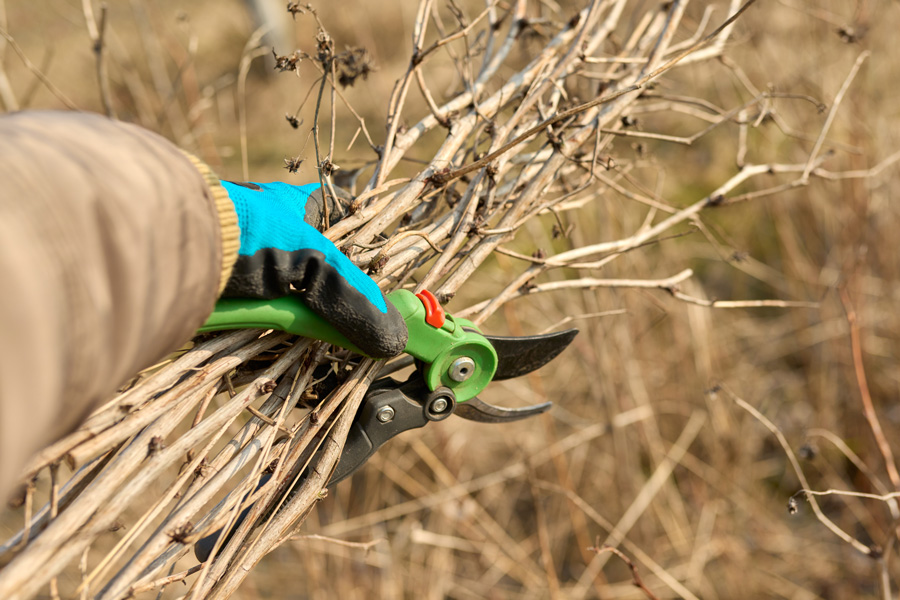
385,414
439,405
462,368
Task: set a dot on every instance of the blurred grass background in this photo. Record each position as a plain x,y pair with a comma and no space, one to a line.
537,494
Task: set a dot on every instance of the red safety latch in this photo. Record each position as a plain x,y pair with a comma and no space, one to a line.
434,312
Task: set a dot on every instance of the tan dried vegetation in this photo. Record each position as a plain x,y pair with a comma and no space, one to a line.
707,194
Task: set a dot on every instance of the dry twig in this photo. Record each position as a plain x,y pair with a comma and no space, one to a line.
638,583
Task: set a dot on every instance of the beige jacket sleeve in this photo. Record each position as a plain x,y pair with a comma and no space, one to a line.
114,246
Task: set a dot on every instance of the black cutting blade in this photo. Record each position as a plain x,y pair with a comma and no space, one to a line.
475,409
521,355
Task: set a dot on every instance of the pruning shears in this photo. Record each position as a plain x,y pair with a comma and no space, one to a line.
455,361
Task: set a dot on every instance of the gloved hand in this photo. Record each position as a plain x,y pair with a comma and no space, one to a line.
283,253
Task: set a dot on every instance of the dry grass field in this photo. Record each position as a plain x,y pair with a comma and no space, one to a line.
692,410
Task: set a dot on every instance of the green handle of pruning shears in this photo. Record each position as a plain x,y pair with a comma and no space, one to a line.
284,314
442,349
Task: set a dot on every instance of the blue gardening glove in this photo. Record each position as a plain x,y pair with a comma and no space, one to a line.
283,253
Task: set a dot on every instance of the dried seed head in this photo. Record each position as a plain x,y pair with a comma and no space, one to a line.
807,451
850,34
793,509
328,167
294,8
288,62
324,48
352,64
292,164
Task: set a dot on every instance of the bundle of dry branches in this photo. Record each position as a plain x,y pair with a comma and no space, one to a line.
518,140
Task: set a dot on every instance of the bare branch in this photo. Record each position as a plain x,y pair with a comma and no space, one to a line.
832,113
795,465
37,72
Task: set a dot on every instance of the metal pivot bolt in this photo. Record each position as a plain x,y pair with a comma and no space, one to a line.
461,369
385,414
439,404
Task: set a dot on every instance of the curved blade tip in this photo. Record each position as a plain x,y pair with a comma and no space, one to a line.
480,411
521,355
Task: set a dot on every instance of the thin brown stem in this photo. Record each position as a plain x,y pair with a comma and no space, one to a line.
865,395
635,576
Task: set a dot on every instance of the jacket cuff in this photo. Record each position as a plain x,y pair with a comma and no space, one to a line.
228,221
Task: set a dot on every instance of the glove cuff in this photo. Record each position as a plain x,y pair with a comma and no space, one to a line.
228,220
